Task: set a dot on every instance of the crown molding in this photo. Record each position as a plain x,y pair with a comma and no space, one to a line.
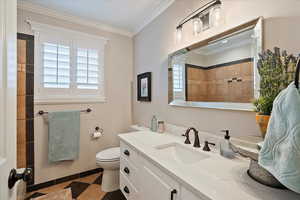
31,7
160,9
71,18
41,27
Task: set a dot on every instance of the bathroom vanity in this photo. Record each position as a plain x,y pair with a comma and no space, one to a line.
161,167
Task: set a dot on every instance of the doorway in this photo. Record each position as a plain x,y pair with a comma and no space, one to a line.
25,112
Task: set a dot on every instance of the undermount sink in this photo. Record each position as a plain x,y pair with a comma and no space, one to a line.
180,154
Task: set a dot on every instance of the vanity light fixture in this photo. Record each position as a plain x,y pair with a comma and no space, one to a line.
198,25
215,15
214,8
178,34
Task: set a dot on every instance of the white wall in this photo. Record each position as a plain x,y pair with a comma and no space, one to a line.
228,55
153,44
114,116
194,58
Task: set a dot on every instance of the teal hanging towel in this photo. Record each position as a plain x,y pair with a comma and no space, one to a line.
280,153
64,135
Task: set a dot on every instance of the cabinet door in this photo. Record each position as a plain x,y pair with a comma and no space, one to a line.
155,185
188,195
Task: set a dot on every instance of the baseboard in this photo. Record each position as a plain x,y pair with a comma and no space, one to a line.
31,188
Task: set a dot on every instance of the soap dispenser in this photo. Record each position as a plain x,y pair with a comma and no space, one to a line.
153,126
225,146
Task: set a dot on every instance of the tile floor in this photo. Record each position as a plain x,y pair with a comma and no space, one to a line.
86,188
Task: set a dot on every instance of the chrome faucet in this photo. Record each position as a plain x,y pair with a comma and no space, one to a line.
187,135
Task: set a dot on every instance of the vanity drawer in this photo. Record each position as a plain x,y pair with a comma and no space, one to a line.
128,153
129,191
130,171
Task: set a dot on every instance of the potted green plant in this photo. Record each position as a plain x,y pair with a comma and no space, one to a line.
277,71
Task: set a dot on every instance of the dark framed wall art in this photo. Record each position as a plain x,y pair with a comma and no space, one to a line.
144,87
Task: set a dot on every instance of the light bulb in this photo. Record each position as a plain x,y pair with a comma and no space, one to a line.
215,16
178,34
198,25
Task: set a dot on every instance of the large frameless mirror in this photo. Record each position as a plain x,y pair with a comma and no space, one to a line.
219,72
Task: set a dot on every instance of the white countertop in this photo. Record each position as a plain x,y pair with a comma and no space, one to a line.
215,178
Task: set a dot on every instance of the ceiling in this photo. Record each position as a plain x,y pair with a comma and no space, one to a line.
234,41
129,15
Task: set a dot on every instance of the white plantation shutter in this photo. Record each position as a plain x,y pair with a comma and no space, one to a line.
56,66
178,70
87,69
70,65
177,78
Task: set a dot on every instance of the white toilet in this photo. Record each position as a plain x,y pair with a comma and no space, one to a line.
109,160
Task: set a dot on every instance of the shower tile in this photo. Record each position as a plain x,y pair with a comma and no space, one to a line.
21,89
29,83
30,68
21,111
30,153
21,46
25,81
30,51
21,131
29,107
21,143
247,69
29,130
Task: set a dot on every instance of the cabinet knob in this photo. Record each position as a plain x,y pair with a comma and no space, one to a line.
127,153
126,190
173,192
126,170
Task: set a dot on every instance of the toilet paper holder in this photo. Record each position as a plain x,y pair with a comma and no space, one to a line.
96,135
98,129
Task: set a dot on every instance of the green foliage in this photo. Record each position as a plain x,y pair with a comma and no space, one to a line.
277,71
263,105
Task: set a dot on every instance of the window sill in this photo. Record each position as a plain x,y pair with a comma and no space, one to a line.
40,101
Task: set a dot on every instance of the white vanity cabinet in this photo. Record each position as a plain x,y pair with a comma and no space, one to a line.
185,194
142,180
155,184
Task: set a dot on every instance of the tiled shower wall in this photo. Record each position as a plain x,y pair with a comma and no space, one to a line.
212,85
25,128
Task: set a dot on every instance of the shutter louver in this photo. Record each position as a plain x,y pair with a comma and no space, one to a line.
177,78
87,69
56,66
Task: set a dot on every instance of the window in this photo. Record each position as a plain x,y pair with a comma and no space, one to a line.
56,66
70,65
87,69
177,78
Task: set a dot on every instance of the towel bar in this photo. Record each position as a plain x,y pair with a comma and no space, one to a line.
41,112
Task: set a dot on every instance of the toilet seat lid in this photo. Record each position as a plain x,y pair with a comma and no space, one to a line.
109,154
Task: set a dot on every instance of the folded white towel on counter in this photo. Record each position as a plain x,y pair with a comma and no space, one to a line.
280,153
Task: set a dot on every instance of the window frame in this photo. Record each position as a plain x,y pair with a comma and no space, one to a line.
46,33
